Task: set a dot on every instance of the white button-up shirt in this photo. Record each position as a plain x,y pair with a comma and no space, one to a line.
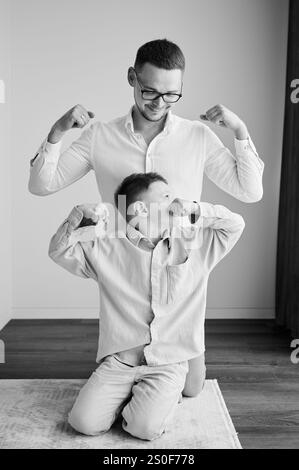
182,153
152,298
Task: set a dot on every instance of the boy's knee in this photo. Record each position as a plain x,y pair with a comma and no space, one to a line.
86,426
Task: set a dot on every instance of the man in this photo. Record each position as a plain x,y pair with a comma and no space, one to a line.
153,281
151,138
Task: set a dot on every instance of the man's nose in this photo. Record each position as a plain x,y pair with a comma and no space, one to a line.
158,102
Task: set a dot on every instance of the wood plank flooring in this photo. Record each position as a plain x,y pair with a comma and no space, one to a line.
249,358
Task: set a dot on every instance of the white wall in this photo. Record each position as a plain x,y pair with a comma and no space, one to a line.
5,174
67,52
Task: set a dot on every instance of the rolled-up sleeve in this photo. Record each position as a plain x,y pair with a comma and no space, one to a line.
51,170
239,174
220,231
69,252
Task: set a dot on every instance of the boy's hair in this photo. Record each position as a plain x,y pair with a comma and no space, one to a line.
134,185
162,53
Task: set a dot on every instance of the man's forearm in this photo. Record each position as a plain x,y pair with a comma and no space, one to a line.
241,133
55,135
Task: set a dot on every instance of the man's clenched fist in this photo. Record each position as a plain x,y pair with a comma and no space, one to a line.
224,117
77,116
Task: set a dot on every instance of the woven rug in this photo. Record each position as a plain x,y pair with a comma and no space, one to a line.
33,415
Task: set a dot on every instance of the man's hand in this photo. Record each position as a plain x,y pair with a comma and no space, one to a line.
222,116
77,116
182,207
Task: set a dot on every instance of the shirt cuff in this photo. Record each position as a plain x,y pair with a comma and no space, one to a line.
49,146
51,150
246,148
242,146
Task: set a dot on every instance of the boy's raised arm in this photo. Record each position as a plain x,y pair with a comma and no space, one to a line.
73,246
214,229
221,229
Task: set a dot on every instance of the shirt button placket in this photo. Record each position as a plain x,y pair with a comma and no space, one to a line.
148,159
148,163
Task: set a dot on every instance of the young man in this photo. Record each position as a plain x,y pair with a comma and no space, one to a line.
153,283
151,138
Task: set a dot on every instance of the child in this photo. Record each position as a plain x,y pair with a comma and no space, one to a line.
152,279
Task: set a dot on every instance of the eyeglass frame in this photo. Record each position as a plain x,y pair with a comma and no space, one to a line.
159,94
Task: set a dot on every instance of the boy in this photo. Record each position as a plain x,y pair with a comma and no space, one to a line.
152,279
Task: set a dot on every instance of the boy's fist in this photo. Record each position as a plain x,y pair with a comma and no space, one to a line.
94,222
182,207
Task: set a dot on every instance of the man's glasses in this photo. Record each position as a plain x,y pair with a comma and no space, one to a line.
154,95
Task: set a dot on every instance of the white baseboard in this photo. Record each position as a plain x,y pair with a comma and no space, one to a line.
4,321
93,313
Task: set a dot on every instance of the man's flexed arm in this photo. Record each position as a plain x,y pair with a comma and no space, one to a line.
51,170
238,174
74,244
217,228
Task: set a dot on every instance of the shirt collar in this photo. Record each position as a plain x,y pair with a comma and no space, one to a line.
137,237
167,127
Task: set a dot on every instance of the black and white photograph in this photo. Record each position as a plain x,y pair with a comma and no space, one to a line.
149,295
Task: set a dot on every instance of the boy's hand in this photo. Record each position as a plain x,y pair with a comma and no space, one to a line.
182,207
94,222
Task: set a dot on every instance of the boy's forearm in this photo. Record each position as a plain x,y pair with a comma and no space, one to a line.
218,217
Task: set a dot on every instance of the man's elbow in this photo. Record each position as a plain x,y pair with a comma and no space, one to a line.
251,197
37,190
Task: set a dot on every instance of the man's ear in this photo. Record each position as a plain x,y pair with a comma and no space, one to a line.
131,76
140,209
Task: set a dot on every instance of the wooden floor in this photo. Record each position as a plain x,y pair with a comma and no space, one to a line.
250,359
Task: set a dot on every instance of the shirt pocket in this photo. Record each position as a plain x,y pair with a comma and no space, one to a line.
180,280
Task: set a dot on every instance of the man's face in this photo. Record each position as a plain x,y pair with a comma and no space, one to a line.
152,78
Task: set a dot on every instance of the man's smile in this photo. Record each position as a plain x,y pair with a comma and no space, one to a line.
155,109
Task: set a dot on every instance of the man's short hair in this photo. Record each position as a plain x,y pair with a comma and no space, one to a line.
162,53
134,185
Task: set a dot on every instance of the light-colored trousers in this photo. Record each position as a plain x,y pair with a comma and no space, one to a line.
145,396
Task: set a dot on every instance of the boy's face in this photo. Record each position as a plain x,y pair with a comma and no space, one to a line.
153,216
